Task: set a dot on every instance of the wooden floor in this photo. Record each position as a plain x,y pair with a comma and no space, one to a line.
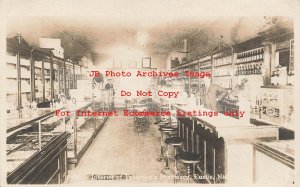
123,147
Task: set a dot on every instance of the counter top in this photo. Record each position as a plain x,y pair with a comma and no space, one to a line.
232,129
228,127
281,150
219,121
25,117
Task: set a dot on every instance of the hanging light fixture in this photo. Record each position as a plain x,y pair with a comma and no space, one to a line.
142,39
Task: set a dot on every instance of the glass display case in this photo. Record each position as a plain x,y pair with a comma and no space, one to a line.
274,161
29,142
39,142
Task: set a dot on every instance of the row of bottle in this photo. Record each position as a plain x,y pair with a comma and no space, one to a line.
249,69
222,61
250,56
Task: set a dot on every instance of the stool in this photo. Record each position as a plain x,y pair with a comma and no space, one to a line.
188,158
161,124
175,141
167,129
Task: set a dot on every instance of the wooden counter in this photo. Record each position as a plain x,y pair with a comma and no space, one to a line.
230,128
223,142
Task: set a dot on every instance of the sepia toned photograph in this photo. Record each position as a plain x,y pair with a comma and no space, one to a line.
118,99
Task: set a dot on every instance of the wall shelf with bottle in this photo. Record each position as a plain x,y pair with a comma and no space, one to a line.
222,67
253,55
222,61
249,62
194,81
19,58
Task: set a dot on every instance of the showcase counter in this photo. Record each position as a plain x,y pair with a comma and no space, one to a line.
274,161
223,142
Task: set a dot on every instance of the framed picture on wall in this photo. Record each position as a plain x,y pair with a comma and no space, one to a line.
146,62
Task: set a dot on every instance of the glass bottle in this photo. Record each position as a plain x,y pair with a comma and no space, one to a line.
246,70
250,69
243,57
238,58
254,55
249,56
257,54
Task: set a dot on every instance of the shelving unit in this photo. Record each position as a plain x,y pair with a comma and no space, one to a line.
37,75
194,81
33,67
252,61
222,68
249,62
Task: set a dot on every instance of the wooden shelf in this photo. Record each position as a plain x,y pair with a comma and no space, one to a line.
16,78
249,62
278,86
11,93
248,74
222,65
222,75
